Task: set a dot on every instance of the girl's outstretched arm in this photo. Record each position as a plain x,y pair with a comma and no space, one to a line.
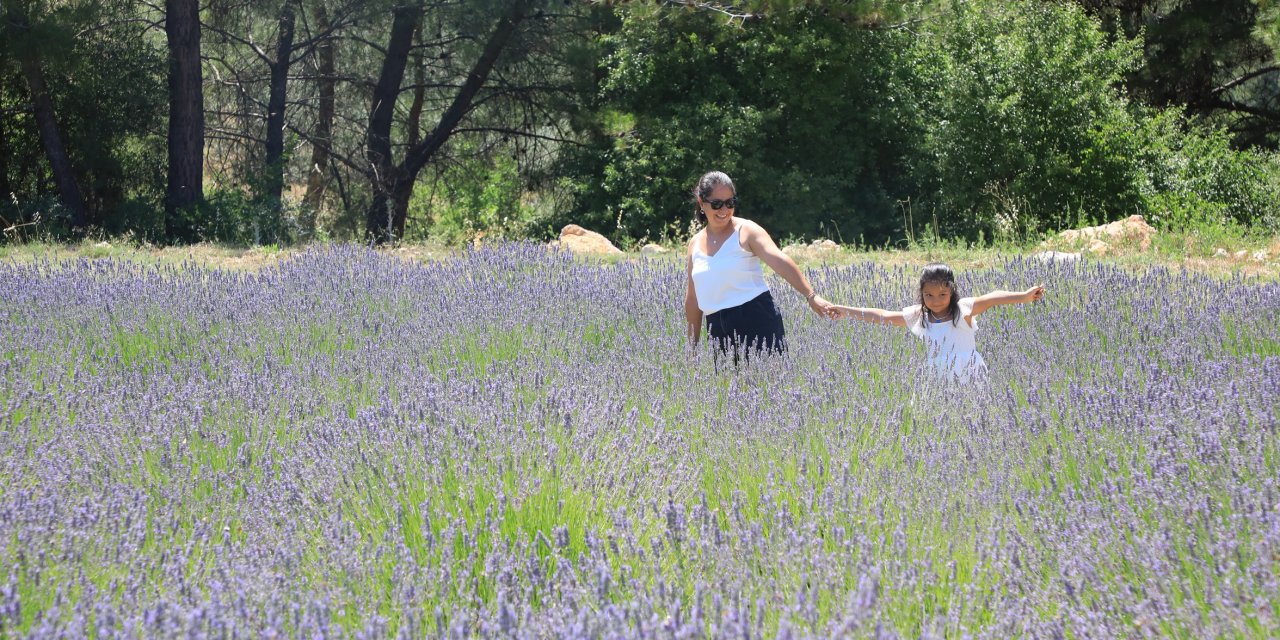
870,314
986,301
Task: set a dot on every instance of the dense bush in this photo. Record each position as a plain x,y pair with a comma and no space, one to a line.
1019,103
836,119
1026,110
991,119
482,197
1196,179
798,109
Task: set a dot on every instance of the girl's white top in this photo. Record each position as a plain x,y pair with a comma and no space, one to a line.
953,347
731,277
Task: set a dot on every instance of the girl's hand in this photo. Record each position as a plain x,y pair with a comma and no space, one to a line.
1034,294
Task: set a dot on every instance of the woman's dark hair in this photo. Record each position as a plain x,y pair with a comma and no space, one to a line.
707,184
938,273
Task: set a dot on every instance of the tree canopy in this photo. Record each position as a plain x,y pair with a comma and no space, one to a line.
856,120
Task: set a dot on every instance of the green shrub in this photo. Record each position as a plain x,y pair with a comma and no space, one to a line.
480,198
1196,179
1020,105
235,217
798,108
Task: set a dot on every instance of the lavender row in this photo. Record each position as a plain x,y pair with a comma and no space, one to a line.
515,443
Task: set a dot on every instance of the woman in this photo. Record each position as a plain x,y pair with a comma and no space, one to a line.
726,282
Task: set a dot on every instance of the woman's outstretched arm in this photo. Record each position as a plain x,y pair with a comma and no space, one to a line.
763,246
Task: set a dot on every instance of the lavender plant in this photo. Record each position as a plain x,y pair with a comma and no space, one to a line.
515,443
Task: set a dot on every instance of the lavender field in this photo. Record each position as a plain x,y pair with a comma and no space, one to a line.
516,443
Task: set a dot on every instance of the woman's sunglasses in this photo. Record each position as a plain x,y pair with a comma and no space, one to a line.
732,203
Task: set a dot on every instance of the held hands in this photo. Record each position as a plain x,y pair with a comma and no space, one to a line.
839,312
822,307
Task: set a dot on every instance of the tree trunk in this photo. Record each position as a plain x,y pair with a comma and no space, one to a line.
384,172
6,186
414,125
316,176
186,117
394,184
51,139
274,183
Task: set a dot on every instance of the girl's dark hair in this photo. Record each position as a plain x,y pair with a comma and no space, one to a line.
938,273
706,184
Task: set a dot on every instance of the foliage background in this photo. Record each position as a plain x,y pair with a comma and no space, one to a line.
862,122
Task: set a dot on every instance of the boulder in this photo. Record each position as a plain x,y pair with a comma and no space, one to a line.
579,240
1261,255
652,249
1131,230
1220,252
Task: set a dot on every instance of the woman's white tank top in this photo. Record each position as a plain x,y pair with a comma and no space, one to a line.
731,277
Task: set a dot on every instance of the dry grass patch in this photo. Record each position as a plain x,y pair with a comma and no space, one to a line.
1241,256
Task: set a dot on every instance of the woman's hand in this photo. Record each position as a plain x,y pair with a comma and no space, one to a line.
823,308
1034,294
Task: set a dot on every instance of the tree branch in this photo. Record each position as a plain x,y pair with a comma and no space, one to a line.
219,133
1231,105
520,133
231,37
1245,78
731,11
359,166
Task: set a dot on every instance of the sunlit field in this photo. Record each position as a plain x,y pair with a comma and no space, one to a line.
511,442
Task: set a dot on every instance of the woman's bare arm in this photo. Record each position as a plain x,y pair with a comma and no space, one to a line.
759,243
692,314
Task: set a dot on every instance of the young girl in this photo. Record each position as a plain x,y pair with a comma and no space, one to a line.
944,320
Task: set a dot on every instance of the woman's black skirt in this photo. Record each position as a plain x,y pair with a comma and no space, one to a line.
752,327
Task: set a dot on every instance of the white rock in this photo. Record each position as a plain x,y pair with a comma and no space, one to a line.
1242,254
1220,253
1056,256
653,249
1261,255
